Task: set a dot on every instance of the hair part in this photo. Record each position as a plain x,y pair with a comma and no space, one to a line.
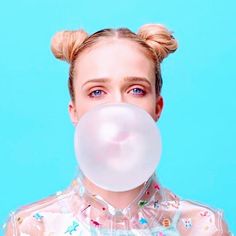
156,40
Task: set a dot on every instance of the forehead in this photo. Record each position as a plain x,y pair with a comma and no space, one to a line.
115,59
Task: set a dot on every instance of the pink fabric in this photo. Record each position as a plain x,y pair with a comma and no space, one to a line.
76,211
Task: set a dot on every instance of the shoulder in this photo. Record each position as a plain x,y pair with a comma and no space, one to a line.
30,218
198,219
202,220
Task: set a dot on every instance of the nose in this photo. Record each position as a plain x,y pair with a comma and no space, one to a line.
118,97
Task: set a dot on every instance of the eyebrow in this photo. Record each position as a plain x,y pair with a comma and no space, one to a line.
127,78
137,79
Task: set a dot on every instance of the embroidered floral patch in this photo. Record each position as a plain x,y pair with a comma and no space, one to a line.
72,228
142,203
143,221
187,223
38,216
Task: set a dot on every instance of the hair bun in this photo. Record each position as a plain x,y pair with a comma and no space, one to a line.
65,43
159,38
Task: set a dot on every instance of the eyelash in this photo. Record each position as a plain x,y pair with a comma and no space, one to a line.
90,94
143,92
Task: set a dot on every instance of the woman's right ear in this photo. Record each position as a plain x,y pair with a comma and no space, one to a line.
72,112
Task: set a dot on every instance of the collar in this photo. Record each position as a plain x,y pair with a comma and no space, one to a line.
95,211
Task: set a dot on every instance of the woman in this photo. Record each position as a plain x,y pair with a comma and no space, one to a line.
115,65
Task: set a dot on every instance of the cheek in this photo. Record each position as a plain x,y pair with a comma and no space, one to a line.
152,113
149,106
83,106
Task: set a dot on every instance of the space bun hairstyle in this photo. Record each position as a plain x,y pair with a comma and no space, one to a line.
156,41
159,38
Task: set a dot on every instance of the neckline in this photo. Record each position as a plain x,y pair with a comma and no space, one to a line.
94,212
138,201
151,191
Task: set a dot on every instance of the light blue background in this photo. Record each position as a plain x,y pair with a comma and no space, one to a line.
198,122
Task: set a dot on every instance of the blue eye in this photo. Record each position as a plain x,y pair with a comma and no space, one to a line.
138,91
96,93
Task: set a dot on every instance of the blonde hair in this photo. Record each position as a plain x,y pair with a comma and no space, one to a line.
156,40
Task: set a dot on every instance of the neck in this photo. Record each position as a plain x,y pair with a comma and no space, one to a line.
118,200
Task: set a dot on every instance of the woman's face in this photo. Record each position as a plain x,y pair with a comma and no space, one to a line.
114,71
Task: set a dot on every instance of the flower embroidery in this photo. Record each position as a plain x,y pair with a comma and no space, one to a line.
19,220
143,221
72,228
160,234
156,204
205,213
142,203
187,223
166,222
95,223
38,217
156,186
